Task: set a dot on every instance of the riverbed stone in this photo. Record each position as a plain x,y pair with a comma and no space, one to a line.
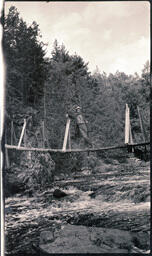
82,239
58,193
34,172
27,217
46,237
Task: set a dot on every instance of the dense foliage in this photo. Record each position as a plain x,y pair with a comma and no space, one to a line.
25,63
45,88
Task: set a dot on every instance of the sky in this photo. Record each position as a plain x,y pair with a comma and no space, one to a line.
109,35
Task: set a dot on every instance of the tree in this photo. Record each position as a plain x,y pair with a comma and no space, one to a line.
24,56
68,76
26,70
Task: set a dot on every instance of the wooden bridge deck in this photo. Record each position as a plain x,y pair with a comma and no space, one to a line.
74,150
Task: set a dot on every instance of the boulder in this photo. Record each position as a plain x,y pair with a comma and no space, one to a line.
34,172
81,239
46,237
13,182
59,193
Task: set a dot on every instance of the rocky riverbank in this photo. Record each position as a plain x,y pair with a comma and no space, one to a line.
103,203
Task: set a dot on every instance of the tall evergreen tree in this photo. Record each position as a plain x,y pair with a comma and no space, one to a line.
24,56
65,88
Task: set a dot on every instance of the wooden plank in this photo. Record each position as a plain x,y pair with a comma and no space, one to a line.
139,144
66,134
22,133
74,150
127,125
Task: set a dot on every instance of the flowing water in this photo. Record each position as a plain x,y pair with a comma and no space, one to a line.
110,197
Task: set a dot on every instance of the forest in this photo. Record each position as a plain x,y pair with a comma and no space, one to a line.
42,89
47,87
71,202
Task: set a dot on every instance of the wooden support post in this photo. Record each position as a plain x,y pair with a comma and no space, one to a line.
7,158
25,138
127,124
66,134
22,133
43,134
69,139
14,136
6,152
12,131
130,136
141,125
131,139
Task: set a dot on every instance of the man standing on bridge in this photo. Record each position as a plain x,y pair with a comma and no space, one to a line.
81,124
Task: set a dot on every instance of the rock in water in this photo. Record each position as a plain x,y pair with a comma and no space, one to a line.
33,172
59,193
80,239
46,237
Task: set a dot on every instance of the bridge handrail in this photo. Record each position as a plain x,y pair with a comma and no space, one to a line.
74,150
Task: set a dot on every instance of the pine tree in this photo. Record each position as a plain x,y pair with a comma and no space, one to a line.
65,88
24,56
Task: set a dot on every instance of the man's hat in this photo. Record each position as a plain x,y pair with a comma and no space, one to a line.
77,107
